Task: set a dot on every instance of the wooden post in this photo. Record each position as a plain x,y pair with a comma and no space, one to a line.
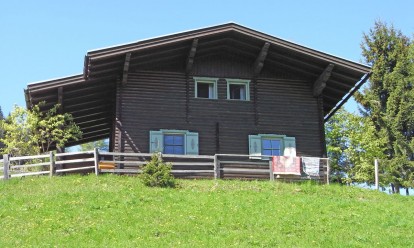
328,171
96,160
376,174
6,165
216,167
272,177
52,164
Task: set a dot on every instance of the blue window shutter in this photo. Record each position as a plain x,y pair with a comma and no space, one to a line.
156,141
191,143
255,146
290,147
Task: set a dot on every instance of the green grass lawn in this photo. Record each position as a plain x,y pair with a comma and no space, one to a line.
118,211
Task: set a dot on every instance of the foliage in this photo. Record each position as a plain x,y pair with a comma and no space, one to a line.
388,101
28,132
118,211
156,173
352,147
102,145
1,128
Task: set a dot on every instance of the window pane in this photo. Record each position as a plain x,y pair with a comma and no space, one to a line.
234,91
168,149
178,140
267,152
168,140
237,91
276,152
204,90
178,150
242,92
266,144
275,144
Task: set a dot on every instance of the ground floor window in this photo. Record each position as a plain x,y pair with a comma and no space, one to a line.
271,147
170,141
262,146
173,144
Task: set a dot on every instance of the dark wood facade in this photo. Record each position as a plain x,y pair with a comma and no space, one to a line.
149,85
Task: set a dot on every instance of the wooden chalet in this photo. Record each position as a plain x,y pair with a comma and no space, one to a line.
225,89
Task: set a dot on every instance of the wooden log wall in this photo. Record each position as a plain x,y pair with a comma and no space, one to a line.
280,103
153,101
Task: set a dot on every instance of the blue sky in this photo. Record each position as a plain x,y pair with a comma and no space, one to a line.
41,40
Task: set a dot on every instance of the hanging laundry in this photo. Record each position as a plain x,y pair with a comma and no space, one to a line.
286,165
311,166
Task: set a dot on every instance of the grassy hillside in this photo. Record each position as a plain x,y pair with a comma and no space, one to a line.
114,211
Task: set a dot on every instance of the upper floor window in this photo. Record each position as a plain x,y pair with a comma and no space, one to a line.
238,89
206,87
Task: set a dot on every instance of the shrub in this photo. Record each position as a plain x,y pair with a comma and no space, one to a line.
156,173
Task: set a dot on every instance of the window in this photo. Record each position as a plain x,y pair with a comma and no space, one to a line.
238,89
205,88
271,145
174,144
170,141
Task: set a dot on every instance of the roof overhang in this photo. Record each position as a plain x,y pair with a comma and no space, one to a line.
91,103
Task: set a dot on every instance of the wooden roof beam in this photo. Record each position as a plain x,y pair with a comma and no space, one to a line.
259,63
191,55
320,83
126,69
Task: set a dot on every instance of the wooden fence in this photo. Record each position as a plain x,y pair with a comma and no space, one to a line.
225,166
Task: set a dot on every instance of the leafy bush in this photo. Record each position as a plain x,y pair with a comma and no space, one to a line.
156,173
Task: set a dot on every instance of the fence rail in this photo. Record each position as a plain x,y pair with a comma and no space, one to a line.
185,166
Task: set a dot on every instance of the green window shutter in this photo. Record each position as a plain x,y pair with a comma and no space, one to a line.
156,141
255,146
191,143
290,147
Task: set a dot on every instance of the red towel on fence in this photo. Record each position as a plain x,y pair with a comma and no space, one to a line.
286,165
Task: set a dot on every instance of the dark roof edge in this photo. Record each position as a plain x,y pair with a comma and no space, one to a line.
142,44
56,81
347,96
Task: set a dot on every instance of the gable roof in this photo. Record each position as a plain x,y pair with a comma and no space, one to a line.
84,95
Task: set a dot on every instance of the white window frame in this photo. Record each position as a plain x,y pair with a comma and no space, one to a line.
206,80
244,82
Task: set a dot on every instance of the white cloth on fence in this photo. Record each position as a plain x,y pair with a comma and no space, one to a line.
311,166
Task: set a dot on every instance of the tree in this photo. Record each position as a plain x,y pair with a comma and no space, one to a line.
352,147
388,100
28,132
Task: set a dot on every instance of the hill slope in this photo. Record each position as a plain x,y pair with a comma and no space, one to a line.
115,211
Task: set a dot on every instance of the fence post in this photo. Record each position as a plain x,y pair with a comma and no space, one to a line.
328,171
96,160
216,167
376,175
6,165
52,164
272,177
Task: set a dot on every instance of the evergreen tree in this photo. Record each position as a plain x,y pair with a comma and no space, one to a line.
388,100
